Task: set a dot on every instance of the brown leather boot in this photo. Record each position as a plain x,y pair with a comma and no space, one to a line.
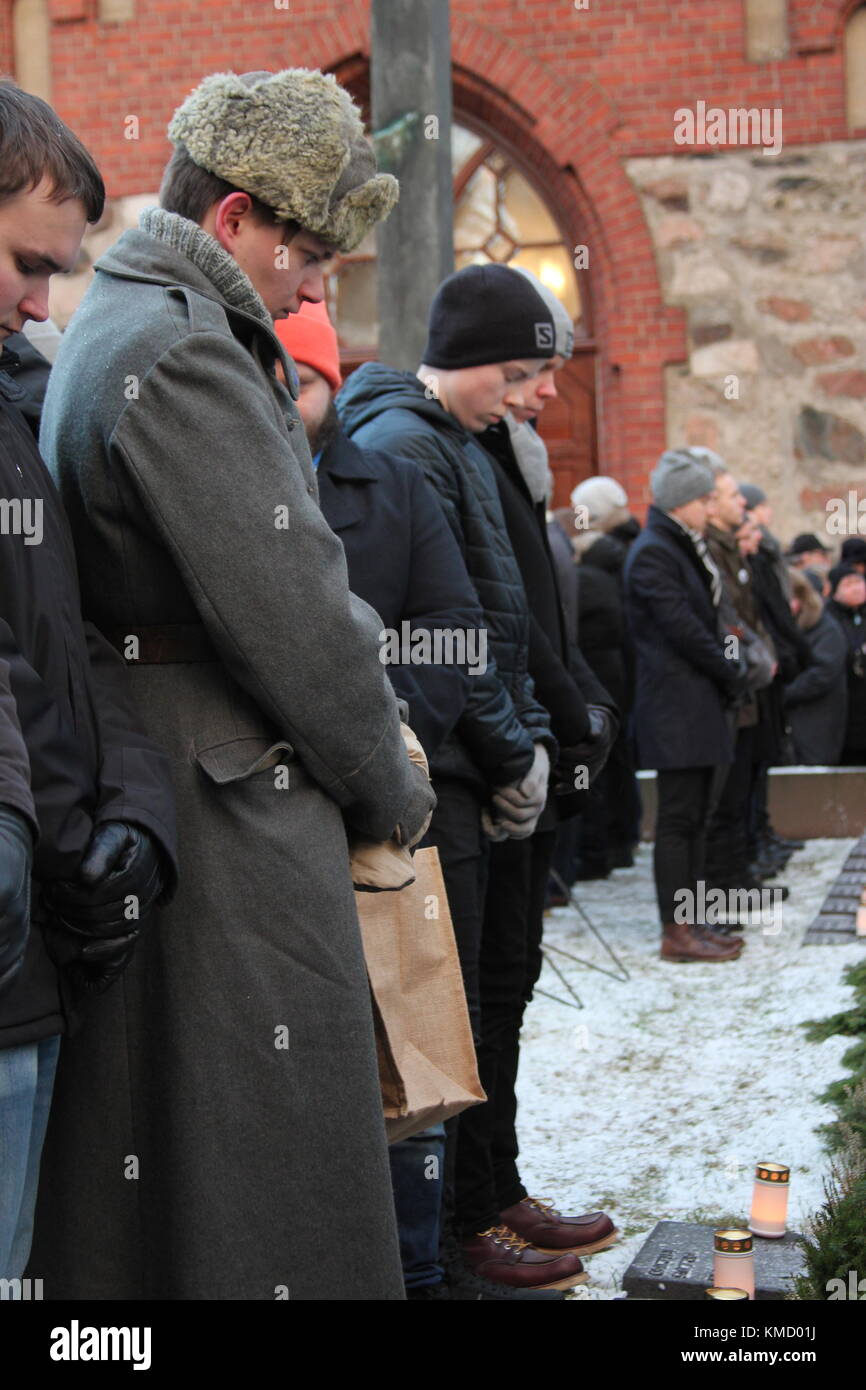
501,1256
547,1229
682,943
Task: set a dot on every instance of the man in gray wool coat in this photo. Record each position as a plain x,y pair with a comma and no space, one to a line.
217,1131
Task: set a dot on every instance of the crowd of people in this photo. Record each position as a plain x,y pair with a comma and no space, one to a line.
198,720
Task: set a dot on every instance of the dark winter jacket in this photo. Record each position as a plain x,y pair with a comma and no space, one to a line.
684,681
403,561
389,411
562,555
774,606
853,624
816,701
32,376
739,610
14,760
601,613
564,682
89,759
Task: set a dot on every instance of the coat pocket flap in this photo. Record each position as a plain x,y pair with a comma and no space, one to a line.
237,758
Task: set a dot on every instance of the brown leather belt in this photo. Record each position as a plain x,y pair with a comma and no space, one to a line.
160,646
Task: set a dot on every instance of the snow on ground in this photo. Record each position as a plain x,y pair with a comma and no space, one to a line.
655,1101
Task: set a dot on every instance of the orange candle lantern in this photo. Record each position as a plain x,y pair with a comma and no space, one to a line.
770,1200
733,1261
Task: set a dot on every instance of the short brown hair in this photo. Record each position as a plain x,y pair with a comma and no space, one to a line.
35,145
190,191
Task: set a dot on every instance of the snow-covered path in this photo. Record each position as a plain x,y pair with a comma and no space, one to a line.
656,1100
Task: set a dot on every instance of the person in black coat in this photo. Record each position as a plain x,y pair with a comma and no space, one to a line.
519,869
816,700
772,588
847,604
589,541
487,326
610,827
18,830
102,821
404,561
685,686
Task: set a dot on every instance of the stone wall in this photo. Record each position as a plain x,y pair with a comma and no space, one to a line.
767,256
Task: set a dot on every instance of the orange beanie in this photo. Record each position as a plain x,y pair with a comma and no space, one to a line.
309,337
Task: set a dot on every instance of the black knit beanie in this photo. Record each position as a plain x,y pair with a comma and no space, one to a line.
838,573
487,313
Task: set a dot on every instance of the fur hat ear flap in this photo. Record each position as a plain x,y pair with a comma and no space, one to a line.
360,210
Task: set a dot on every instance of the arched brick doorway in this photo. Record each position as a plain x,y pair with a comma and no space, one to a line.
537,229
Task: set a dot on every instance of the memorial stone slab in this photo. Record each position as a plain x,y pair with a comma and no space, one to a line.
836,921
836,903
828,938
850,880
676,1262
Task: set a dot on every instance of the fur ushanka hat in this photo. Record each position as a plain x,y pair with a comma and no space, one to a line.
295,140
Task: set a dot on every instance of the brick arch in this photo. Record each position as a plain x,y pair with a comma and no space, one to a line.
819,25
566,132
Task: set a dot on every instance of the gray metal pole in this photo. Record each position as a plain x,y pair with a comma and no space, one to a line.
411,107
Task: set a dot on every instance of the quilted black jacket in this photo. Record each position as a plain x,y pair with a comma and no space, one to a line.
388,410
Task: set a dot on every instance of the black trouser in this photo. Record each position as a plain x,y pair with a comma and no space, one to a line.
759,818
464,852
685,799
486,1176
727,851
621,792
566,849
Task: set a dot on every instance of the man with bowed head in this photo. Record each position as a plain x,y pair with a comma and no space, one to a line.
490,333
685,684
241,1056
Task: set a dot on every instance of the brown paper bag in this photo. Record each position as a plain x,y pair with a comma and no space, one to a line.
427,1066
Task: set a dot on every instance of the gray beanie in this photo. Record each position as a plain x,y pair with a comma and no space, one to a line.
294,139
563,328
753,494
606,502
679,477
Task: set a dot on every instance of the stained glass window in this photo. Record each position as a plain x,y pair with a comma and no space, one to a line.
498,216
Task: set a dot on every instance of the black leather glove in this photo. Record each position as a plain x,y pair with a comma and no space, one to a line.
16,854
737,692
92,964
591,753
121,862
93,932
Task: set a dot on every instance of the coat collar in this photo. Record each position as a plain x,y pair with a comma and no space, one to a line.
659,522
137,256
343,459
344,463
726,539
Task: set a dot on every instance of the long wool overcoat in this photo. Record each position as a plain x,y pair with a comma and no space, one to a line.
217,1130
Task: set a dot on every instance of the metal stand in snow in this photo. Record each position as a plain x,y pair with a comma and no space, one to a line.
620,974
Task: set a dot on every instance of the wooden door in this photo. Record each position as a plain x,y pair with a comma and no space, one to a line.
567,425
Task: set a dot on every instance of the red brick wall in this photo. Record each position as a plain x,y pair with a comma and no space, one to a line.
574,91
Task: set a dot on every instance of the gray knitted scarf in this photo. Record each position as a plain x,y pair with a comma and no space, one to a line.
223,271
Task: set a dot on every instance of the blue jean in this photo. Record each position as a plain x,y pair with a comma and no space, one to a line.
416,1177
26,1085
